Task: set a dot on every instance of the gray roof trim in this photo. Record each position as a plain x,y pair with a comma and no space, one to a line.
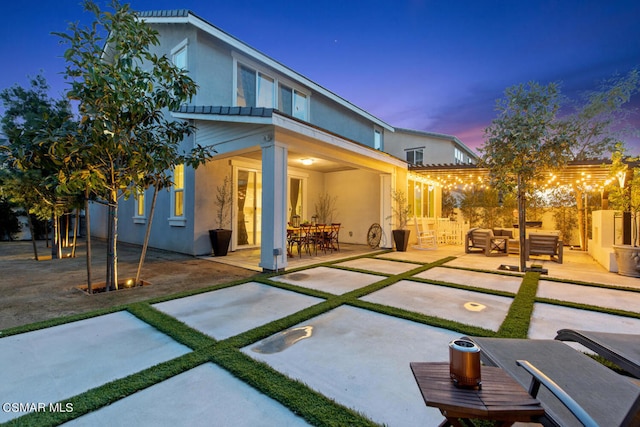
186,16
226,111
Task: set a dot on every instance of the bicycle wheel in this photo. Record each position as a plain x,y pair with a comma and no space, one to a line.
374,235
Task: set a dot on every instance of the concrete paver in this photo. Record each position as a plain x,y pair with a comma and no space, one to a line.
473,278
357,357
361,359
230,311
330,280
203,396
468,307
547,319
49,365
609,298
379,265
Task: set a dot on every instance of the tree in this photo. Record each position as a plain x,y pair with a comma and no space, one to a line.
596,125
124,140
31,174
523,141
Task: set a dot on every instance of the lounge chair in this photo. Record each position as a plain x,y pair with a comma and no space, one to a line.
483,240
621,349
544,244
577,390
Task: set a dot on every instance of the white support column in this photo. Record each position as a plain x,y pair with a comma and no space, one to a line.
274,206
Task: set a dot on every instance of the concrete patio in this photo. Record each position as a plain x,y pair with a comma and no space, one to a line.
358,357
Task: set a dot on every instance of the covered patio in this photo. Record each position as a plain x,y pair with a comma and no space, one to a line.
282,168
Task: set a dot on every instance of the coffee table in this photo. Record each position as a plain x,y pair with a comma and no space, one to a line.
501,398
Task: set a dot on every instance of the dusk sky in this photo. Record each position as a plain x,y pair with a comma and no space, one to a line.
437,66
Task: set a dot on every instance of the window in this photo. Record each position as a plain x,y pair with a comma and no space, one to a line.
292,102
179,55
459,156
415,156
421,198
253,88
177,197
140,214
377,139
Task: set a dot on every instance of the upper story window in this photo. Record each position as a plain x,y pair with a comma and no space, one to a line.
292,102
377,139
179,55
256,87
459,156
415,156
253,88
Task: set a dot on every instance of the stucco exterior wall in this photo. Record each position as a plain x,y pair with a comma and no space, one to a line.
341,121
357,204
437,150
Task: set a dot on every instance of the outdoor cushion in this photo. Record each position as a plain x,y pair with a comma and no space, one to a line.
609,398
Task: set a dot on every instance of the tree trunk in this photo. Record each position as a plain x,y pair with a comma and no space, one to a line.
522,221
75,233
147,233
56,247
33,236
112,242
88,224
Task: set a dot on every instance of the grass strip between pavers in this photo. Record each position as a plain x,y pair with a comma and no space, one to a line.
111,392
516,324
171,326
314,407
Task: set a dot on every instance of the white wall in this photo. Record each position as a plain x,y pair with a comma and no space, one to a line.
358,202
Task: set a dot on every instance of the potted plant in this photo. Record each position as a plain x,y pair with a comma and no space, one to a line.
401,212
626,198
325,208
221,237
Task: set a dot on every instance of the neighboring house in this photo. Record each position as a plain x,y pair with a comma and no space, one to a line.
283,139
428,148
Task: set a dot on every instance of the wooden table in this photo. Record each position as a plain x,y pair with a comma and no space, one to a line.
501,398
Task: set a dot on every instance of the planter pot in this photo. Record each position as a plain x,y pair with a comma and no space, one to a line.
401,239
220,240
628,259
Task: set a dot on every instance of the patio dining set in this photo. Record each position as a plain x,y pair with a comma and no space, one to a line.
311,238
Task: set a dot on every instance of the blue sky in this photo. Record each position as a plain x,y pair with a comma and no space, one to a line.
429,65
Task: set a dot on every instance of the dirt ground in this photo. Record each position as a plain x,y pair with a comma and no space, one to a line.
32,291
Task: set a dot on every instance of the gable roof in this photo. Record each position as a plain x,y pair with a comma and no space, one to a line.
451,138
185,16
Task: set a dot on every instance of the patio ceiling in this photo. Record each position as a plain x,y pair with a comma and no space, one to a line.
311,163
592,175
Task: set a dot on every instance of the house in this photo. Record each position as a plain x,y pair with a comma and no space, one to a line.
284,141
420,148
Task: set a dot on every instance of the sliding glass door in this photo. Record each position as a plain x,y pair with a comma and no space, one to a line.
249,202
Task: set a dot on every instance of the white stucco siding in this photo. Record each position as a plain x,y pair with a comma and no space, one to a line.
357,204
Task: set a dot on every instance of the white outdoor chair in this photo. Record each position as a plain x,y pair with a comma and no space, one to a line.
427,238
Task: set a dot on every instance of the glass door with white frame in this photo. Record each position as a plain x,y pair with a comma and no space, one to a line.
249,203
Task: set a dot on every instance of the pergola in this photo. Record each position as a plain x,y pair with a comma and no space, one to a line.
592,175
